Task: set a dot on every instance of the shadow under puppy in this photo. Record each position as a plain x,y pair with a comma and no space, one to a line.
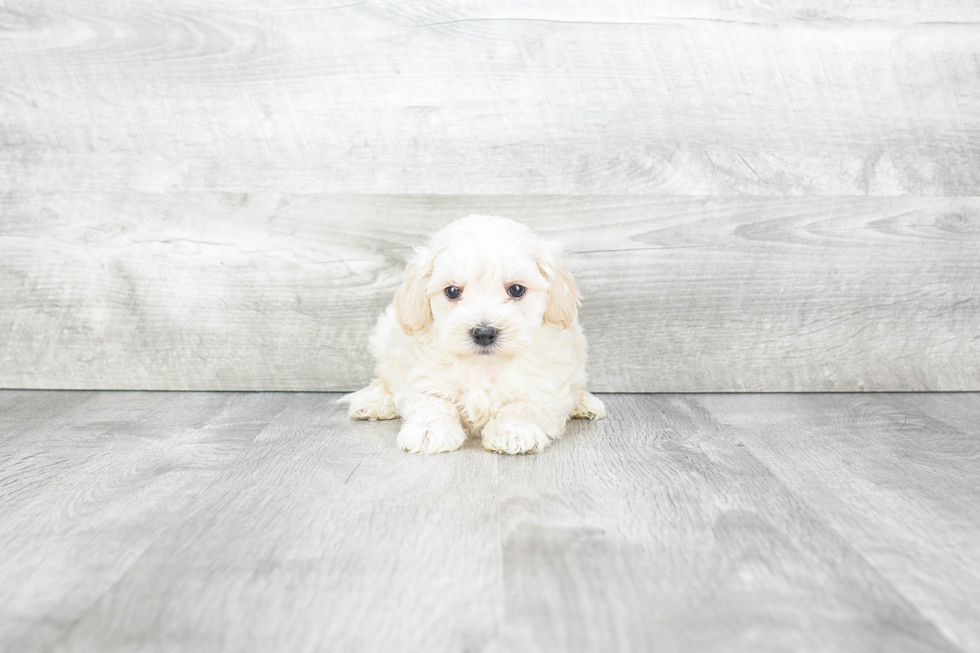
482,338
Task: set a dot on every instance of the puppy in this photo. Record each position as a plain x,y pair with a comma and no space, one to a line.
482,339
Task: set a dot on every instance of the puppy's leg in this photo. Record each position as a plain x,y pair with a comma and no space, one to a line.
588,406
431,426
523,427
373,402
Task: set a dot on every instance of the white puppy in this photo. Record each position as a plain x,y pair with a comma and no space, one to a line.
482,338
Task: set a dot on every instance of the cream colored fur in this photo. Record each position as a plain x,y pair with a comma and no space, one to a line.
431,373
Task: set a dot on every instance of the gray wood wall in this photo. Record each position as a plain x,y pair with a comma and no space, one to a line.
220,194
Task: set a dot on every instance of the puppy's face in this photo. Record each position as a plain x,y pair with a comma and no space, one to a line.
483,287
486,302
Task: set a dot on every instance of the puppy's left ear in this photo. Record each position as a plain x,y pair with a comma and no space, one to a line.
563,296
412,307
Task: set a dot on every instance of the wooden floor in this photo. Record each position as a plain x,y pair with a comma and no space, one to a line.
268,522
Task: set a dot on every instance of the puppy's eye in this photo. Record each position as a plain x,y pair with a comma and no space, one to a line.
453,292
516,291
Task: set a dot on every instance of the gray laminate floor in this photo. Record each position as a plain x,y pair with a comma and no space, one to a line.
268,522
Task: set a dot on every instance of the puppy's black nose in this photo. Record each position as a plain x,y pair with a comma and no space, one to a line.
484,335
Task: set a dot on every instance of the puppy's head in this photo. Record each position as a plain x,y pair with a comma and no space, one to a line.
484,286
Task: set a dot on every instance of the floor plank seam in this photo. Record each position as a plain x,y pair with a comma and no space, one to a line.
810,523
193,509
843,540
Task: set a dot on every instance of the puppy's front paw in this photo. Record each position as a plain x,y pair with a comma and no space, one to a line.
514,436
432,435
588,406
372,402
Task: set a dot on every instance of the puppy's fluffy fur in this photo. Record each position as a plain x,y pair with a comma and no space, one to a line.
518,392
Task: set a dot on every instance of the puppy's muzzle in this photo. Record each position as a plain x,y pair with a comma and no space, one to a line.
484,335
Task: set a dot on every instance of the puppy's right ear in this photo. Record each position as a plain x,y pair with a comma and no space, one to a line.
412,307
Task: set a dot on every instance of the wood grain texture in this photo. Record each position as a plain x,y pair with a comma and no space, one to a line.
127,291
250,522
680,540
291,554
89,481
203,522
586,97
895,476
218,195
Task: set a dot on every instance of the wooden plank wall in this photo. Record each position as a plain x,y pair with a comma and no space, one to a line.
755,196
